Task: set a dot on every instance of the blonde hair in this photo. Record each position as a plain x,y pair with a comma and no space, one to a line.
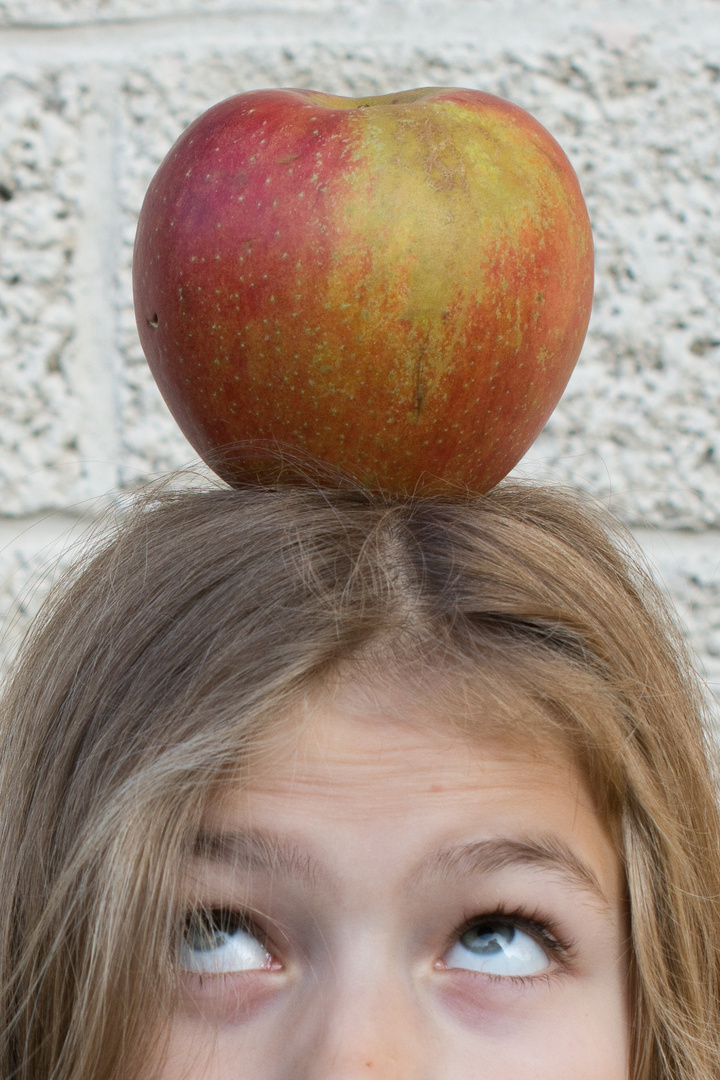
207,615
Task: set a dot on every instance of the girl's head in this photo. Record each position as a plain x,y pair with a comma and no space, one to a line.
300,785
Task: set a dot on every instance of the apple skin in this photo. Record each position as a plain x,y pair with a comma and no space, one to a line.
399,286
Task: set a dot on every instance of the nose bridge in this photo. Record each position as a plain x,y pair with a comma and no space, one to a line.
369,1026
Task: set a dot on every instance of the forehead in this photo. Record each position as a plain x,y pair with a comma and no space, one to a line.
388,774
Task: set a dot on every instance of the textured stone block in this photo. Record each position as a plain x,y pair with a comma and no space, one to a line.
640,421
41,160
687,567
34,555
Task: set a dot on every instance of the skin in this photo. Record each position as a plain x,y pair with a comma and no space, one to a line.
360,852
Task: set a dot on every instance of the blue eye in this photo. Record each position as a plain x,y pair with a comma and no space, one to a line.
498,948
217,942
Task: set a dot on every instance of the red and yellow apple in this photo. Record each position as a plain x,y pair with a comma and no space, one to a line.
398,286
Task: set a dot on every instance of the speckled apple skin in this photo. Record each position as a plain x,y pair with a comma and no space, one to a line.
399,286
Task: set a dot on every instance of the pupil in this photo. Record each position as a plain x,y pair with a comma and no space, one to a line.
488,940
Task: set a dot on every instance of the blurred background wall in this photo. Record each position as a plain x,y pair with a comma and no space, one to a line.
93,93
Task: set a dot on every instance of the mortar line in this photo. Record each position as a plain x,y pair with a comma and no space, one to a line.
96,367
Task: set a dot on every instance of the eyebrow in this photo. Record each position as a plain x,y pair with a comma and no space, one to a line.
487,856
260,851
267,853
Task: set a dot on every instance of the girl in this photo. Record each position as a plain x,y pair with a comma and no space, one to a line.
312,785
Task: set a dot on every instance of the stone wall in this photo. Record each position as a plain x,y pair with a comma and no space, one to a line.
94,92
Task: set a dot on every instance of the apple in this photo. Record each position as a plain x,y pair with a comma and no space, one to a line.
398,286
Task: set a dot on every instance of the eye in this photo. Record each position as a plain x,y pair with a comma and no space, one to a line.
495,947
217,942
